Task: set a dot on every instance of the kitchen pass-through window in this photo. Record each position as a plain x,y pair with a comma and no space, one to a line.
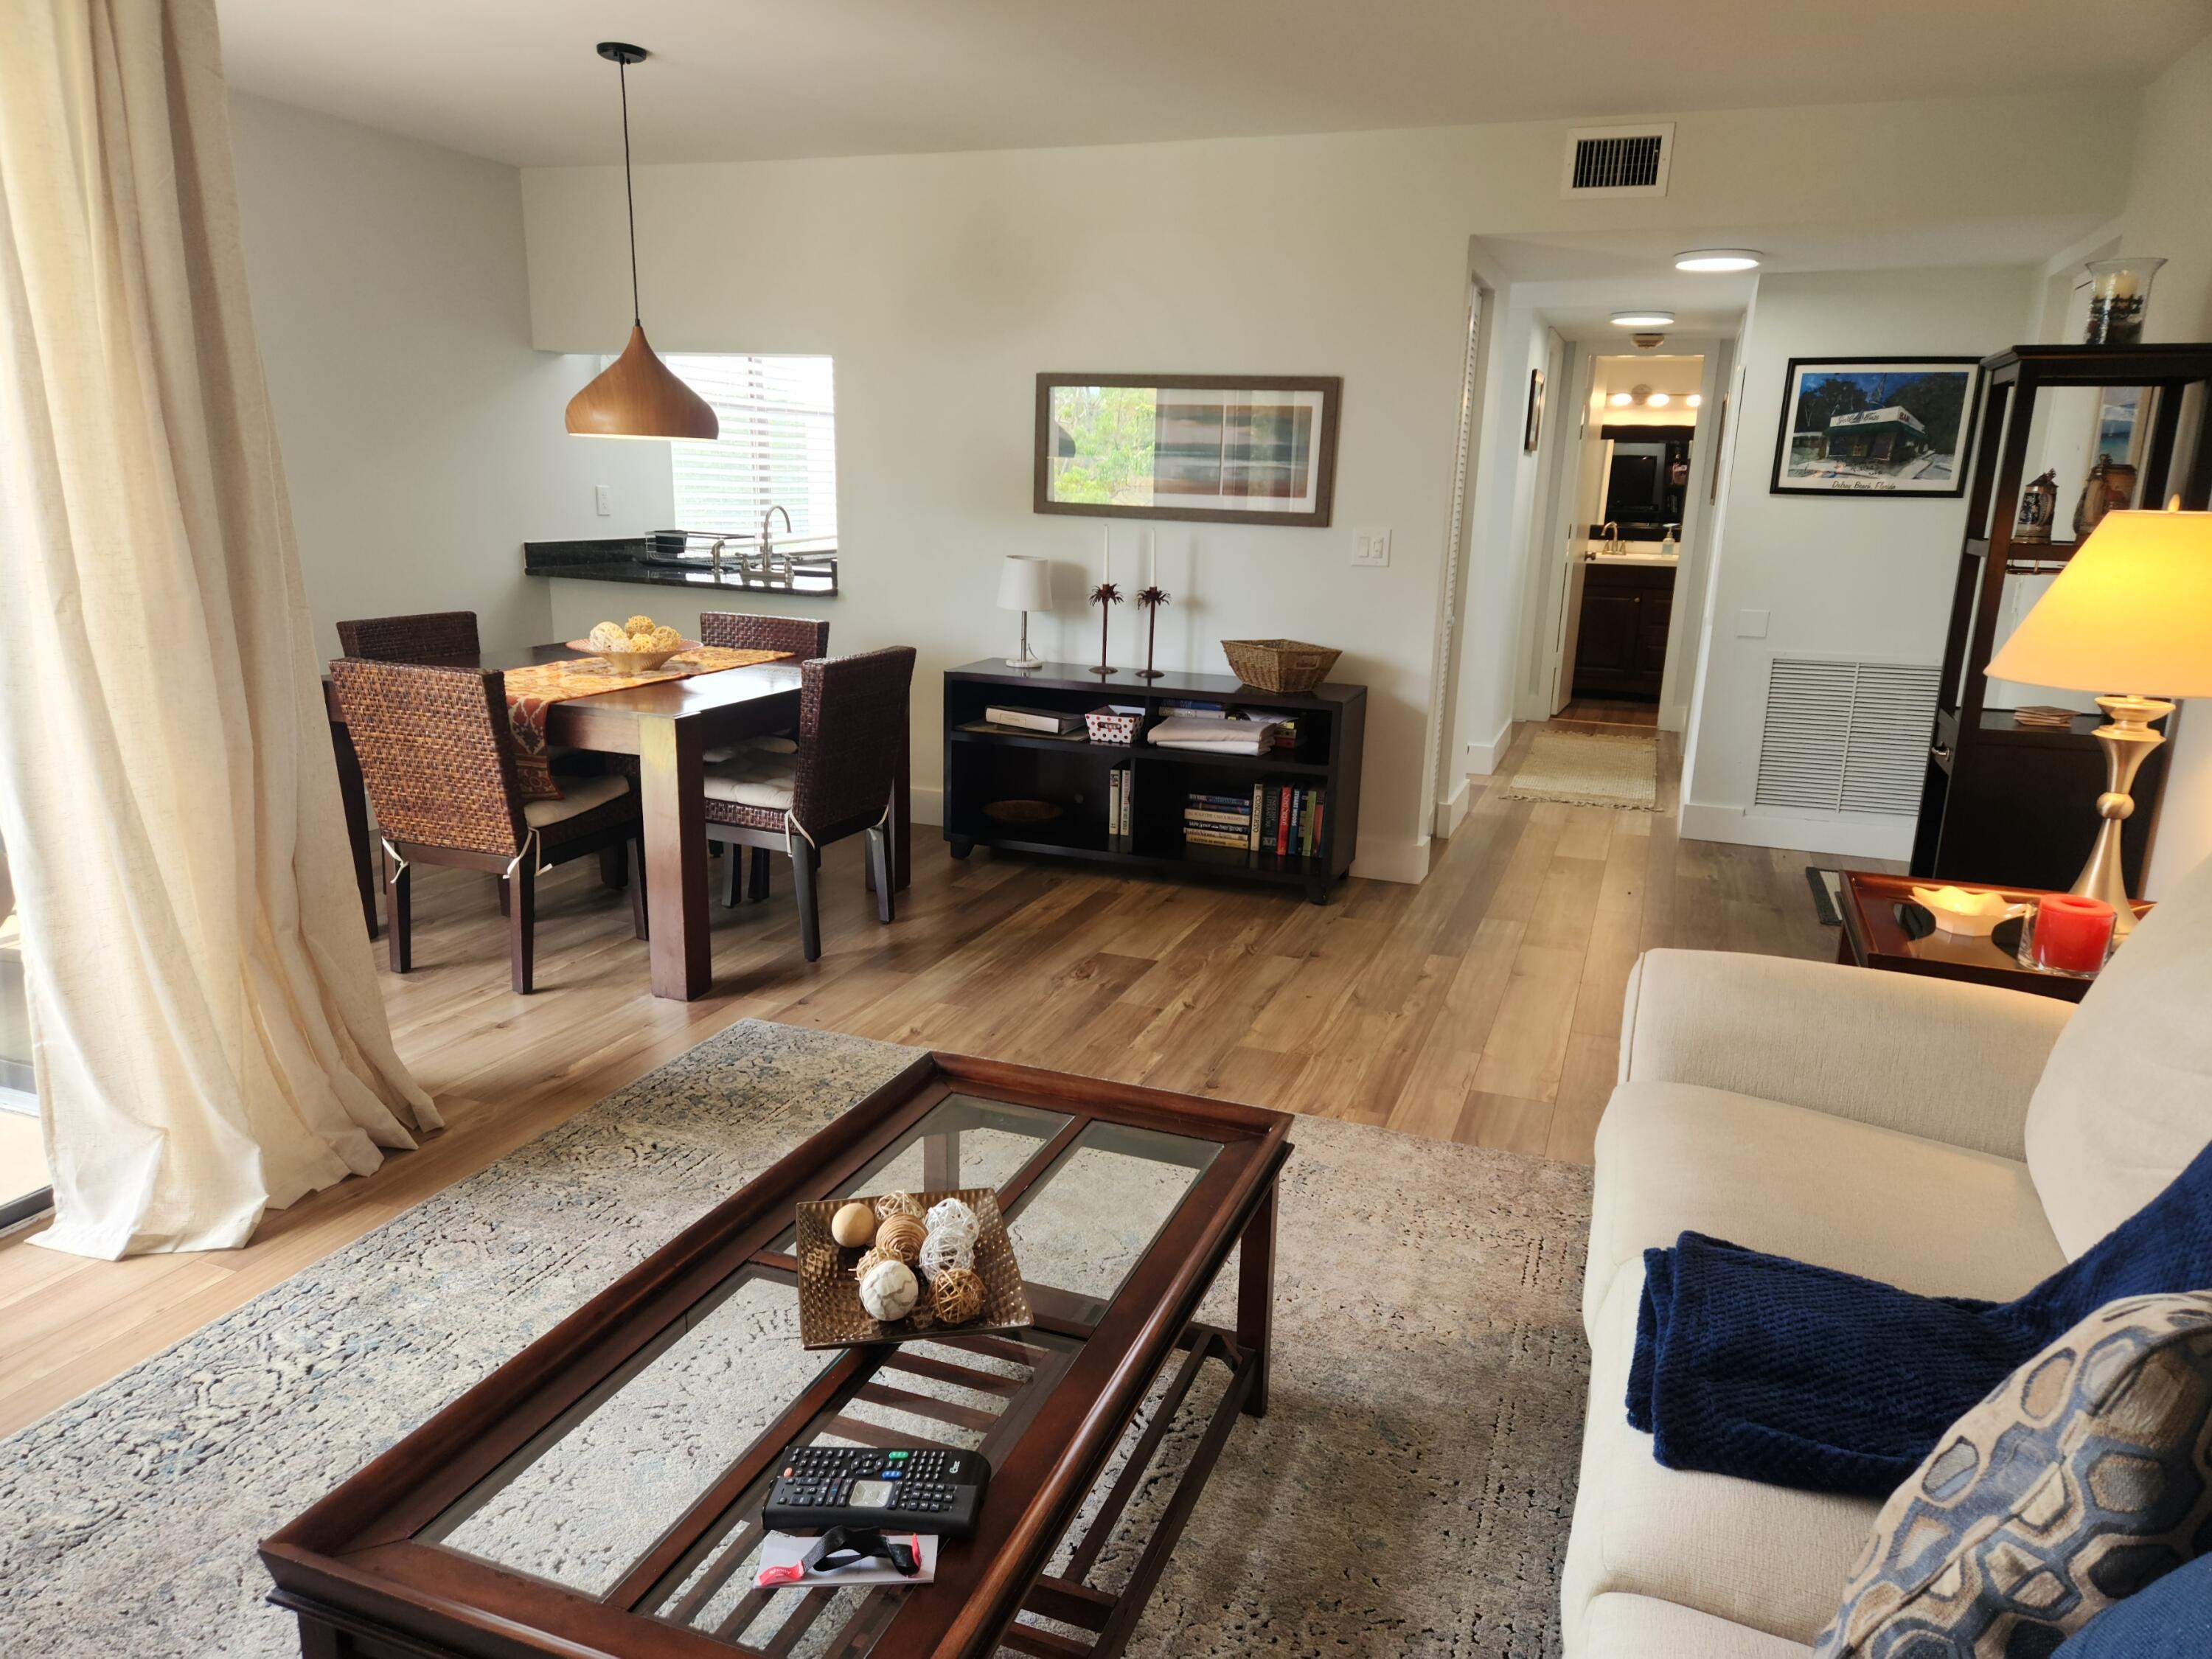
778,447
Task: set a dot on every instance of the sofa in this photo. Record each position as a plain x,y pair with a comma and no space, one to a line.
1948,1137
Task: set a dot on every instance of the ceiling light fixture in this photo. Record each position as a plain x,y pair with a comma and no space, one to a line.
1660,399
1719,259
1643,318
1694,401
637,395
1620,400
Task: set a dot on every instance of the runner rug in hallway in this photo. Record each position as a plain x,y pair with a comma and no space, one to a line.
1408,1493
1586,770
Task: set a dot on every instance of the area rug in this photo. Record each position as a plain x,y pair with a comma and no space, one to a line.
1586,770
1408,1493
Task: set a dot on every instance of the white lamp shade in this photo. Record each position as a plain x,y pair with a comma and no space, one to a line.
2131,613
1024,584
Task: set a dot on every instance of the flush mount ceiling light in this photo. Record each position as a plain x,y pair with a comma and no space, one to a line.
637,395
1719,259
1643,318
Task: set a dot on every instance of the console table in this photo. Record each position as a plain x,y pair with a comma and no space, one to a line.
981,768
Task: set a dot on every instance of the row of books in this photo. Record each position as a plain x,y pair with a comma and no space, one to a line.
1120,807
1284,818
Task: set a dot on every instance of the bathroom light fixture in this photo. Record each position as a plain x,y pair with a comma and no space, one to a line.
1660,399
1620,400
637,395
1694,401
1643,318
1719,259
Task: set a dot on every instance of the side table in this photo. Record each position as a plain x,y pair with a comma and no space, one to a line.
1877,935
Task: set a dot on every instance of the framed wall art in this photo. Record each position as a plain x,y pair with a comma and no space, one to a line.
1875,426
1532,423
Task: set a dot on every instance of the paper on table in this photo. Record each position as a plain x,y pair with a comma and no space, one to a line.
781,1549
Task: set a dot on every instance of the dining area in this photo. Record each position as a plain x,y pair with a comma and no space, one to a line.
745,748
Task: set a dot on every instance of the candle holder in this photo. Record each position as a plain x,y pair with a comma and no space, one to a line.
1104,596
2119,290
1151,598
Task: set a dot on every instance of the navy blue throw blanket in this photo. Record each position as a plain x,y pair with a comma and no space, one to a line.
1771,1370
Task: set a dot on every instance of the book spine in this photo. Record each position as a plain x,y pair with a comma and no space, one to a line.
1128,803
1113,806
1259,792
1208,838
1321,818
1283,823
1029,722
1220,803
1221,820
1306,827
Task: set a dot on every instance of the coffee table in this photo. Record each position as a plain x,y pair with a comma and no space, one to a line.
600,1492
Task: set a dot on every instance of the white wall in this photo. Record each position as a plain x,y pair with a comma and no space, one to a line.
1852,577
421,433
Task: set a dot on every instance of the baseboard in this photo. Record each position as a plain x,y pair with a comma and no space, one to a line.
1850,838
1483,757
1407,860
1451,811
926,806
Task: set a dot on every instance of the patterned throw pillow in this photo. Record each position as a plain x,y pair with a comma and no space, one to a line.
2087,1474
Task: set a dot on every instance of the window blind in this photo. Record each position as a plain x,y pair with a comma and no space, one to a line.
779,444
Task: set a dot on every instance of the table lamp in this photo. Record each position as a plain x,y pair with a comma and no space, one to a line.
1025,585
2132,607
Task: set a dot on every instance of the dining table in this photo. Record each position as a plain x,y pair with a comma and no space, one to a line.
667,725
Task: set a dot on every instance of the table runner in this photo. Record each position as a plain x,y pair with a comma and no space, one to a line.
533,690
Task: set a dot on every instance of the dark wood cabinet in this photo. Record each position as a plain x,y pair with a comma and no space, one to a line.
1620,645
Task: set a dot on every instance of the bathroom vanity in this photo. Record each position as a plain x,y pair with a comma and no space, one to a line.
1620,641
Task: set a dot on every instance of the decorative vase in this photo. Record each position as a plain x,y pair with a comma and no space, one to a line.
2118,291
2039,509
2111,484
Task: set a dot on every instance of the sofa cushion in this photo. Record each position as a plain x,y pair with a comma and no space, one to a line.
1642,1627
1923,1215
1767,1557
2126,1098
2082,1477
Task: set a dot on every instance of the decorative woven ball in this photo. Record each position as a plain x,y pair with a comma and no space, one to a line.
944,1252
892,1204
958,1295
951,1215
872,1259
901,1236
889,1290
853,1225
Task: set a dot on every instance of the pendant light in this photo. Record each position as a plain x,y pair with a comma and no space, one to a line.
637,396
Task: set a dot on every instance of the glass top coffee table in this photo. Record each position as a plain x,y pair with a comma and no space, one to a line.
600,1494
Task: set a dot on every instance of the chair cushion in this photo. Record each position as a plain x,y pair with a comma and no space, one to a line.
2086,1475
578,796
1923,1215
754,778
1644,1627
2174,1615
1771,1557
2126,1099
768,745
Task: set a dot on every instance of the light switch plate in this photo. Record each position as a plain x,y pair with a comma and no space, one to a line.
1751,624
602,501
1370,549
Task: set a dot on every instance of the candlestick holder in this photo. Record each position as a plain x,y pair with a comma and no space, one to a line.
1151,598
1105,596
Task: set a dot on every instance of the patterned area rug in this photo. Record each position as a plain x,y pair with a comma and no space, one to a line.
1408,1492
1585,770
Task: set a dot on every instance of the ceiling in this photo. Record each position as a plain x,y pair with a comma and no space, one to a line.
517,80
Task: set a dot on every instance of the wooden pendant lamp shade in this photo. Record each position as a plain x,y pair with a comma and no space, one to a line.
637,395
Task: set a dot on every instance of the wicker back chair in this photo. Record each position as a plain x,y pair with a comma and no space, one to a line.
853,731
437,758
430,637
741,631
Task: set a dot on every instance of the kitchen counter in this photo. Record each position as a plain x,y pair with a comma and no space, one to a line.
633,559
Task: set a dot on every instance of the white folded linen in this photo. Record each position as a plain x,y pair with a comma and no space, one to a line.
1205,731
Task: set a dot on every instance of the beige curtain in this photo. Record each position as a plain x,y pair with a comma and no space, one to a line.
209,1042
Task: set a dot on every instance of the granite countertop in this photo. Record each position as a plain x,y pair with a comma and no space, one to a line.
1647,554
633,559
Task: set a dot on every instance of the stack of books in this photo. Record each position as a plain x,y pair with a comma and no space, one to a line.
1221,821
1286,819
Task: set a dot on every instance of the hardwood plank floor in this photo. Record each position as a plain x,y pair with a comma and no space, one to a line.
1483,1005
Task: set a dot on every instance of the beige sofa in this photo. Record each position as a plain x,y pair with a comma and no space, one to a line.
1950,1138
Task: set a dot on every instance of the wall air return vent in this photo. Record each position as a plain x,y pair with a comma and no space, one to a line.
1846,736
1618,161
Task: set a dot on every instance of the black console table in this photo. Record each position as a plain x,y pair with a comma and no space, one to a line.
981,768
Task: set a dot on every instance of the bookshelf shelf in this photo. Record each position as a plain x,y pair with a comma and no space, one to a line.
982,766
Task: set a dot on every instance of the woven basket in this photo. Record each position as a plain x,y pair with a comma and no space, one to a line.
1286,665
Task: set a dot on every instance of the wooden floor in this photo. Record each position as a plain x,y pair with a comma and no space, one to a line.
1483,1005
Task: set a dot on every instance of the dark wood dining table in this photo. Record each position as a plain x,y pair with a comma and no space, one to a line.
668,725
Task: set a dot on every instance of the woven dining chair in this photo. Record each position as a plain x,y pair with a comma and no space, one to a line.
437,756
852,735
740,630
429,636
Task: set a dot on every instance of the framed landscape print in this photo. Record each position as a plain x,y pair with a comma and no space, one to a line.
1875,426
1237,449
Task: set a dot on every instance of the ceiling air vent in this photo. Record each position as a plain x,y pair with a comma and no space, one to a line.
1618,161
1846,736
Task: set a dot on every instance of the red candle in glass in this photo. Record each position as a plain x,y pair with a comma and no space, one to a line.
2073,933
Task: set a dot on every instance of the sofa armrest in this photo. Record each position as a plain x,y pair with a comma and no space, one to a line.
1934,1057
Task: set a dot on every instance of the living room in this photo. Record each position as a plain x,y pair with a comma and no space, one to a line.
1489,795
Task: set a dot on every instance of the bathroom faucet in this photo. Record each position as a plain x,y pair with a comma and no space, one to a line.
767,545
1613,542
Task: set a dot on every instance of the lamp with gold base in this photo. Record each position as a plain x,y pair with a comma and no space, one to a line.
2132,607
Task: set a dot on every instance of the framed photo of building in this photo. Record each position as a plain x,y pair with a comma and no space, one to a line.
1233,448
1875,426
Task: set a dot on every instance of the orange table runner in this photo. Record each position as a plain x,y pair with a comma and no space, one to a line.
531,691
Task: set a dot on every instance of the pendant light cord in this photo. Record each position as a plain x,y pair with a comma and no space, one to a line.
629,196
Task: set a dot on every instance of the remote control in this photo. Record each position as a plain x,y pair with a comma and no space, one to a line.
913,1490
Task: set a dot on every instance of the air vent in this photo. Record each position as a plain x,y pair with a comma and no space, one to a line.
1618,160
1846,736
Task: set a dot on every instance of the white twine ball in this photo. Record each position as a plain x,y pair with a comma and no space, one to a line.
944,1250
953,1217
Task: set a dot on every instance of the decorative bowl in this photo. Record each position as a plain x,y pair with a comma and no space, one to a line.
633,662
1973,915
829,1311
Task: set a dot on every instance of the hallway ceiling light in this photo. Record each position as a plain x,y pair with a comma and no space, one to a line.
637,395
1643,318
1660,399
1719,259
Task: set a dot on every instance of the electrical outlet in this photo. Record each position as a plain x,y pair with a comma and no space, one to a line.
1751,624
603,500
1370,549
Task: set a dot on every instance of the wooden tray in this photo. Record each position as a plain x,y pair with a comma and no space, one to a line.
829,1311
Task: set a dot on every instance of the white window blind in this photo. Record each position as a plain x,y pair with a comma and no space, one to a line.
779,444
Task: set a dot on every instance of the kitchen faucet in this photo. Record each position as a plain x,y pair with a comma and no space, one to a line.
768,545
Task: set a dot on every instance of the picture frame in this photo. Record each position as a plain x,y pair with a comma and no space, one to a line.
1720,441
1213,448
1898,427
1532,423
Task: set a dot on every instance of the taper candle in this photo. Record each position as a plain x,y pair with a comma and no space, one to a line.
1106,546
